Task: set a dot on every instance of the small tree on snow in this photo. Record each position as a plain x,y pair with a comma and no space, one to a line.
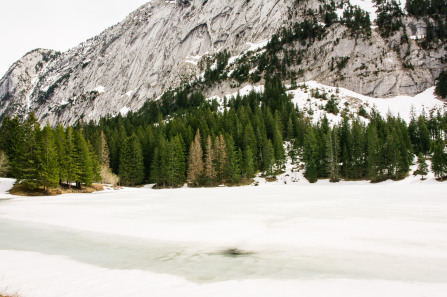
422,166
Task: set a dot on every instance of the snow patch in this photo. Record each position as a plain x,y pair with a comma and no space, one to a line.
100,89
124,111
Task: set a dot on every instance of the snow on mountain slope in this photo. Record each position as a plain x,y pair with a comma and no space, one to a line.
308,98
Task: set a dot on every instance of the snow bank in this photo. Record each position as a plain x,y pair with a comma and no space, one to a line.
5,185
397,106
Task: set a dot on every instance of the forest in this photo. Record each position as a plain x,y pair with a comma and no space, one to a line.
183,138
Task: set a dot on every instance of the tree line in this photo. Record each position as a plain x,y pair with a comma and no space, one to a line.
174,141
44,158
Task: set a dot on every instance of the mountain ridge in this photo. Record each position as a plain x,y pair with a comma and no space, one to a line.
159,46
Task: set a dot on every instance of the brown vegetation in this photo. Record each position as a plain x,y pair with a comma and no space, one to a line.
20,190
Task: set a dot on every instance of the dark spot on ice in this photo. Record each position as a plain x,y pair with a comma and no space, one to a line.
234,252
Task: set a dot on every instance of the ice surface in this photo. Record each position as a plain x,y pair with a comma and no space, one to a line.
346,239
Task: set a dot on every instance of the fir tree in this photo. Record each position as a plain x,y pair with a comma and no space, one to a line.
248,165
268,157
28,158
210,170
332,152
232,170
131,168
60,142
48,159
441,85
374,151
72,167
422,166
195,161
83,160
4,164
310,156
278,143
221,156
439,159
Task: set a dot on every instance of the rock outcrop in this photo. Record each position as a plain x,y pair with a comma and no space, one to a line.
158,46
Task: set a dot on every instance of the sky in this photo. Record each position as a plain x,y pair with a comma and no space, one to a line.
55,24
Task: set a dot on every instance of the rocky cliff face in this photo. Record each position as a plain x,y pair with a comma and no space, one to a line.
158,46
153,49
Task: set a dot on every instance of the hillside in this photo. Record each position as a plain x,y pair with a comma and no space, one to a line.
379,51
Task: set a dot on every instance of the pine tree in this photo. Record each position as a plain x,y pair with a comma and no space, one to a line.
131,168
195,161
374,151
96,165
104,160
278,143
28,158
310,156
422,166
4,164
83,160
221,156
71,153
11,141
61,150
175,162
268,157
248,165
232,170
439,159
441,85
332,157
210,171
48,159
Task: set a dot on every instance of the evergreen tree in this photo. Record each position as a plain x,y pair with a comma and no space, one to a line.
210,170
72,167
4,164
441,85
310,156
83,160
27,163
248,165
195,161
332,151
278,143
48,159
232,170
268,156
422,166
221,156
131,168
60,142
374,154
95,163
439,159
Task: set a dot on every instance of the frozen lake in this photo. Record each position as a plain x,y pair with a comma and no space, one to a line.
348,239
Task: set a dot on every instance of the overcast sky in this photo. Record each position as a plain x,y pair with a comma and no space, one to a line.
55,24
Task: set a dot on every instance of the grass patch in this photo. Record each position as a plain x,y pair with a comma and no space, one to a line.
20,190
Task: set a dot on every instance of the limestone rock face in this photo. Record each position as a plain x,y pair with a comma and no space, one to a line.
158,46
136,59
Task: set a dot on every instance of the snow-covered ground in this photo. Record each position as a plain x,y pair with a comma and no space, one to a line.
346,239
304,98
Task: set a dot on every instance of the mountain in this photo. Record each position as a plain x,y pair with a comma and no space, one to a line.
166,43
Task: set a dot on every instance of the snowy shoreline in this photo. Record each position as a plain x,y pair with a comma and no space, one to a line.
385,239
